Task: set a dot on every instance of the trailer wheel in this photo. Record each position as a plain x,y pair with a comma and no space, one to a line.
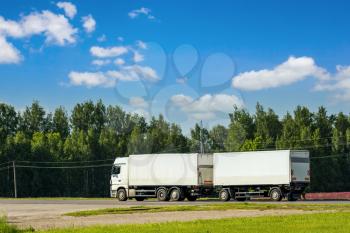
175,194
162,195
275,194
224,195
191,198
139,198
121,195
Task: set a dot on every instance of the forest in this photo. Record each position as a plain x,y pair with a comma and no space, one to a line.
70,154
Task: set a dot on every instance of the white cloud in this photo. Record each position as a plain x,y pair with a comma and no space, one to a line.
141,44
138,57
89,23
138,102
102,38
338,84
8,53
135,73
110,78
142,11
207,106
56,28
293,70
119,61
91,79
99,62
108,52
70,9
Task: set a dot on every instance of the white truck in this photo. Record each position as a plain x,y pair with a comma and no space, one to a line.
274,174
164,176
234,175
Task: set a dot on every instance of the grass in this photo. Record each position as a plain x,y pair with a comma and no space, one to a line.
308,223
7,228
208,207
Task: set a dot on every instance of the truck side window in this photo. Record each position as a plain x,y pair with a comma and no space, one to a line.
116,170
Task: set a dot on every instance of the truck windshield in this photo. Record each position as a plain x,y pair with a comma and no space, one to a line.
300,160
115,170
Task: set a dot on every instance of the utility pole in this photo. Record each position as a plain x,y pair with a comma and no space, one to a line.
201,138
14,178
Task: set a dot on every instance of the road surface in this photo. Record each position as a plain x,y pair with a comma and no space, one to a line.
42,213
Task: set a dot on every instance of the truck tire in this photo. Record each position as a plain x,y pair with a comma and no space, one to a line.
121,195
224,195
162,195
139,198
175,194
191,198
276,194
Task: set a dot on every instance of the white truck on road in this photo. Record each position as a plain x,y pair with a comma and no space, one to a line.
164,176
234,175
274,174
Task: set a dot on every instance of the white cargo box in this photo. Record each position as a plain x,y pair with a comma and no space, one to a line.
170,169
261,168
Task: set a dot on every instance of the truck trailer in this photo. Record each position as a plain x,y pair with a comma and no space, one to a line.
162,176
275,174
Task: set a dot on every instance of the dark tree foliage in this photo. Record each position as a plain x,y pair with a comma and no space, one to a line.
95,132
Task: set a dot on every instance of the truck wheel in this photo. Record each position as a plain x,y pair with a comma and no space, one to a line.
162,195
191,198
224,195
121,195
275,194
139,198
175,194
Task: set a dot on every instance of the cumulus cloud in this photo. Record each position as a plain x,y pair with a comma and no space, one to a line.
8,53
135,73
99,62
293,70
138,57
70,9
207,106
108,52
142,11
110,78
138,102
141,44
91,79
338,84
119,61
89,23
55,27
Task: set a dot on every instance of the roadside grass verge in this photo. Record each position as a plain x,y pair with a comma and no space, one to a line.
307,223
7,228
209,207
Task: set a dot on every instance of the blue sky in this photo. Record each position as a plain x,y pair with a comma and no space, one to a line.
187,60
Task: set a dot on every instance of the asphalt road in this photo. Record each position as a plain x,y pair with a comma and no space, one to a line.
115,203
48,213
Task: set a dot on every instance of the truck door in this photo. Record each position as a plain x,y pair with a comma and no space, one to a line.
115,177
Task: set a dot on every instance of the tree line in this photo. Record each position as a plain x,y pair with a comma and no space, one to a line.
52,149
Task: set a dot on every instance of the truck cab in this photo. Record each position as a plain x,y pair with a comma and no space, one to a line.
119,176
